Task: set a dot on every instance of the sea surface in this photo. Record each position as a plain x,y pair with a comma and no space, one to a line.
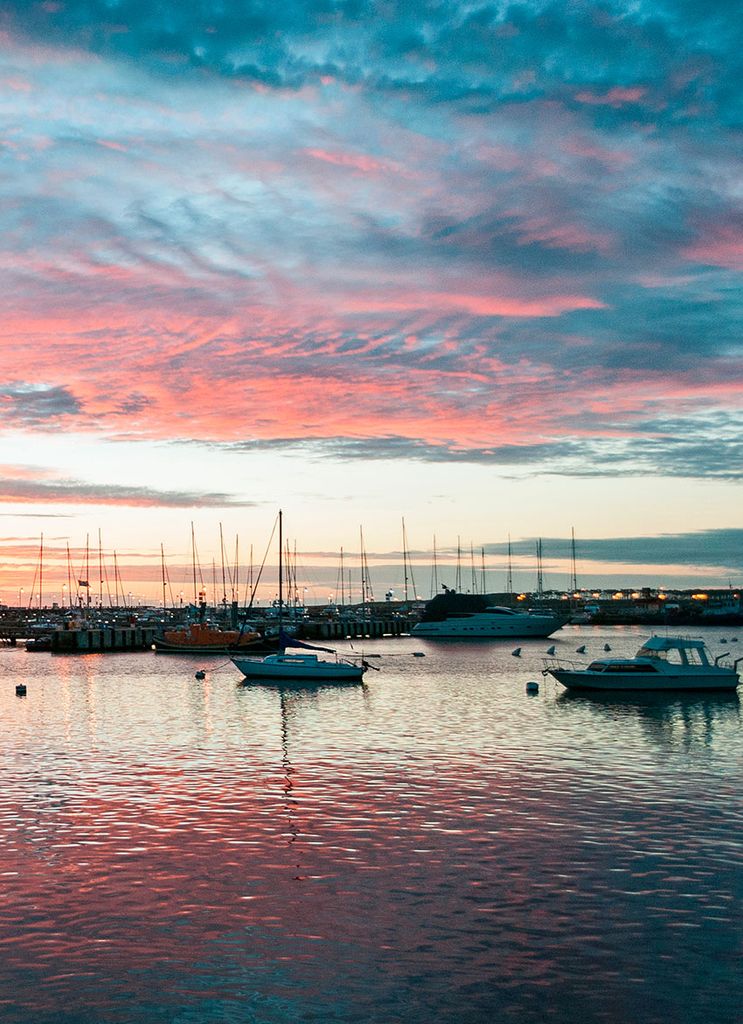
432,846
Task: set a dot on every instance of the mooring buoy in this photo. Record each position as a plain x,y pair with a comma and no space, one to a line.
21,689
516,653
201,674
581,649
532,688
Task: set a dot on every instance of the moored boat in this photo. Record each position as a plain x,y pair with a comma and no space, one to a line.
301,667
661,664
205,638
471,617
283,667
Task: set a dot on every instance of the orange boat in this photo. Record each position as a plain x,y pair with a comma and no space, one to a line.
204,637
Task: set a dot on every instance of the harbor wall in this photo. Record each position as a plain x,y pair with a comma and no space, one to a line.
84,641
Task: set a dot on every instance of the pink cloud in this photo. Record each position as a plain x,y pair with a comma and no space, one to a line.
353,161
615,97
562,235
722,247
473,304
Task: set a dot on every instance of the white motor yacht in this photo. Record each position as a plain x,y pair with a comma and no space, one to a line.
662,663
490,622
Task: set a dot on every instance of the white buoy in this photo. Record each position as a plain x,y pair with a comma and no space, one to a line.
551,650
532,688
581,649
517,652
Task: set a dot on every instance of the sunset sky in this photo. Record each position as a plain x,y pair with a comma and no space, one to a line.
472,264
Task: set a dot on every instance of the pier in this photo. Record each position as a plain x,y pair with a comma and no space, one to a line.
357,628
84,641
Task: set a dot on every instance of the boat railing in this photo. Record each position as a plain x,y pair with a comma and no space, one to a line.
563,665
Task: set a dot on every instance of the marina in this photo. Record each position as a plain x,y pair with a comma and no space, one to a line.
436,843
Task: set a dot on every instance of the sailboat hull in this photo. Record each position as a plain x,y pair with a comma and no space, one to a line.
299,667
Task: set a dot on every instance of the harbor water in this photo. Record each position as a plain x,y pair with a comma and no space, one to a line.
433,846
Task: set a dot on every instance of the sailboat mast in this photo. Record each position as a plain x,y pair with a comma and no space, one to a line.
41,569
405,558
281,566
162,570
221,551
573,566
361,560
509,577
435,579
69,574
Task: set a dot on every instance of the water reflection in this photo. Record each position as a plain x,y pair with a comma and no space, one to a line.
431,846
669,720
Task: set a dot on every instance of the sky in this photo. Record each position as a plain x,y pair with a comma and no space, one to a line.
475,265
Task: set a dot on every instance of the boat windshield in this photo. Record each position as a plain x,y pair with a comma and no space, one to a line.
682,655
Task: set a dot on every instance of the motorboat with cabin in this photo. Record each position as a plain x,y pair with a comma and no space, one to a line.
662,663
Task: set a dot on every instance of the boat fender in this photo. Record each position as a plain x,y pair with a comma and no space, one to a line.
532,688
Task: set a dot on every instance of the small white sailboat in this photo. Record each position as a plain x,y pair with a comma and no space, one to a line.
299,668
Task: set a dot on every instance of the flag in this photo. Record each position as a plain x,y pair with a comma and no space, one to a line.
83,583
